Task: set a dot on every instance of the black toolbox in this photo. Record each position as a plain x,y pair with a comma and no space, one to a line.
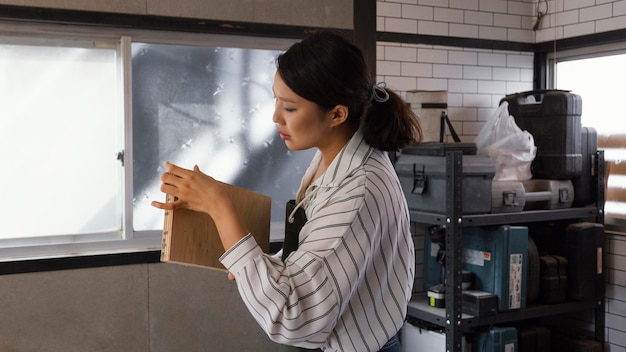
569,343
585,185
533,339
553,279
584,250
553,117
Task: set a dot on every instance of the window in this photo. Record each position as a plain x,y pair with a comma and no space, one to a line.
61,128
210,106
597,75
89,119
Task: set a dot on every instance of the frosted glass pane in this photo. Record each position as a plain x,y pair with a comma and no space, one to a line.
599,81
589,78
211,107
59,136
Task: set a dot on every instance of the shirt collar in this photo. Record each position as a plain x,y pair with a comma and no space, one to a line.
351,157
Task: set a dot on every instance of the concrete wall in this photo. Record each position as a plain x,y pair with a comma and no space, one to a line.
138,308
320,13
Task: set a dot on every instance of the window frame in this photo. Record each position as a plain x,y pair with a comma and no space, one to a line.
127,245
614,225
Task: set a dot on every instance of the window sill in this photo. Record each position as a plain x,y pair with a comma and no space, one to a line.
79,262
615,226
78,255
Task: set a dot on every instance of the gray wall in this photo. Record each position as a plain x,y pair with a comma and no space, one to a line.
134,308
318,13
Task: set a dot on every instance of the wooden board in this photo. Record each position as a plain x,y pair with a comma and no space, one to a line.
191,238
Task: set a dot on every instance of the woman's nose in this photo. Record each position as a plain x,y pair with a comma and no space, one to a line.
276,116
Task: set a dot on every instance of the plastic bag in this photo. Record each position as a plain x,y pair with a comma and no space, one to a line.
511,149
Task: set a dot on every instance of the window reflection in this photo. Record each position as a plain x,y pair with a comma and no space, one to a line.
210,106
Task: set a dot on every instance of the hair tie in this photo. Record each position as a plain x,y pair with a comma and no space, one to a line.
379,93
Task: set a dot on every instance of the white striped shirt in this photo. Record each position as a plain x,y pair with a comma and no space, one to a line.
347,286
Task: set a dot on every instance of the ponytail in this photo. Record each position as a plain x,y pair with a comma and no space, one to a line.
390,124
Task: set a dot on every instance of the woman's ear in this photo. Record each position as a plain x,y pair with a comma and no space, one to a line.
339,115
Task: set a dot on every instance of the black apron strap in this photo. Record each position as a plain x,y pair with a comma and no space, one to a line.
292,229
285,348
290,244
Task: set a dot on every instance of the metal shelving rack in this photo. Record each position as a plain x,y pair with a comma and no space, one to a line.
451,317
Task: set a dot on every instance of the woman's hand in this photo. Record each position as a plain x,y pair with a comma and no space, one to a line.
193,190
197,191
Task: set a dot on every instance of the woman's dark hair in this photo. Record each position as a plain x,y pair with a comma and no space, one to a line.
329,70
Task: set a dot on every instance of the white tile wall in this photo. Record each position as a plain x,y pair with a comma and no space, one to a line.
477,79
464,4
616,292
479,18
610,24
460,30
573,18
458,18
619,8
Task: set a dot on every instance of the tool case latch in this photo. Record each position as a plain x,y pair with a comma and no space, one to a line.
419,180
563,195
509,198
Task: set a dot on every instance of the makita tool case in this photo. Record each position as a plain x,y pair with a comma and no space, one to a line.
498,257
424,182
553,117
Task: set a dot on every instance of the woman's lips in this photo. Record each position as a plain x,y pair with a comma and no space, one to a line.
283,136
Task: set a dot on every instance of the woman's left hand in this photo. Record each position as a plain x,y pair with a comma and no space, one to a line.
192,189
197,191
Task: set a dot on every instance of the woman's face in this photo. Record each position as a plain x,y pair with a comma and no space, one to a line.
301,123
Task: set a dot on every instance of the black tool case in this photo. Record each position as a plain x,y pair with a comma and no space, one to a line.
584,250
585,192
440,148
553,117
554,279
533,339
562,342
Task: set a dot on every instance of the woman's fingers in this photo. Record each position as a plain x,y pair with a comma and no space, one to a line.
192,188
160,205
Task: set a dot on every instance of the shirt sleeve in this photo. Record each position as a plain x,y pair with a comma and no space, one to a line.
293,301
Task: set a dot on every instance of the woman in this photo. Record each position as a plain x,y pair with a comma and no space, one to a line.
347,285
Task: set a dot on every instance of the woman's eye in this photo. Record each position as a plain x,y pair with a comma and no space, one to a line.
290,109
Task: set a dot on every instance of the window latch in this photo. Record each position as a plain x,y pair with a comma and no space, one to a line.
120,157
